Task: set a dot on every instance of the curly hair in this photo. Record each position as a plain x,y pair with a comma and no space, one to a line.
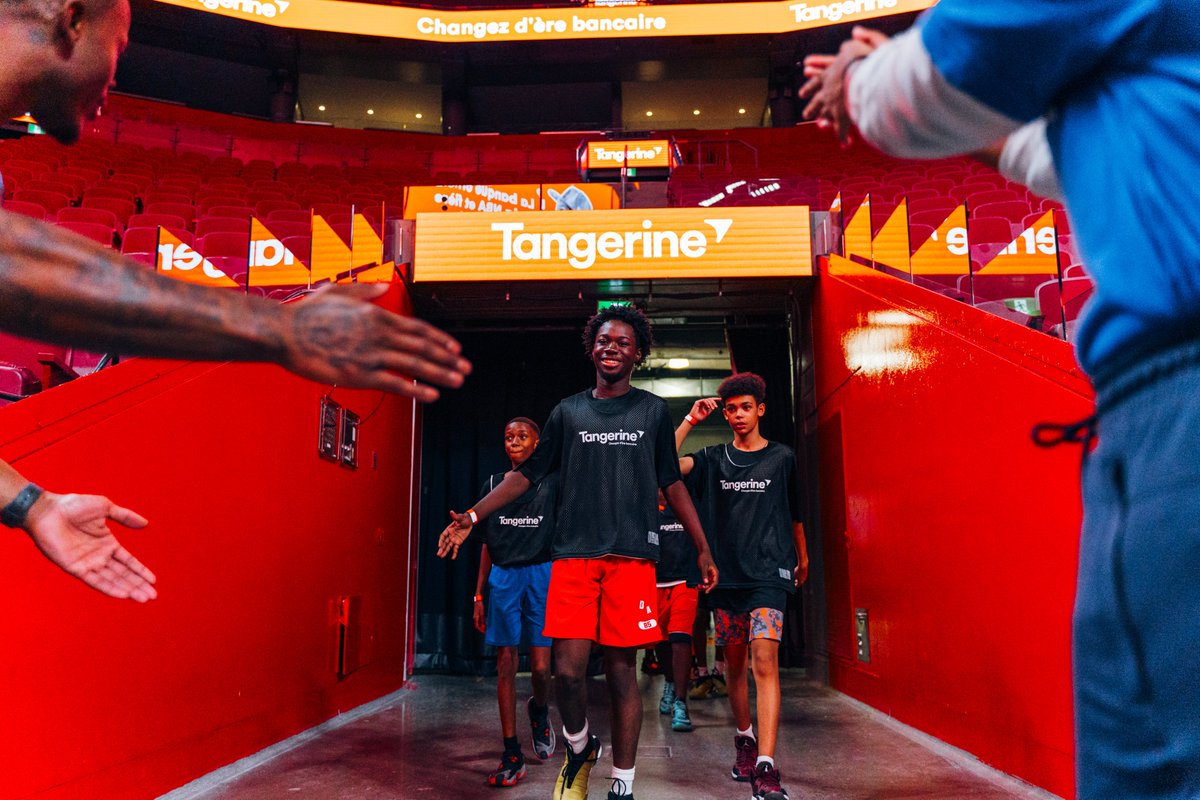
743,383
631,316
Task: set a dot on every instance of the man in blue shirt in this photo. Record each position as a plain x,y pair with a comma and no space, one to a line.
1101,98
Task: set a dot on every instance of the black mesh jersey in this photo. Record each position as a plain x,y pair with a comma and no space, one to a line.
677,556
520,533
612,456
750,502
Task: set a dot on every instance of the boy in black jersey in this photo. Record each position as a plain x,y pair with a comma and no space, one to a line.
747,488
613,448
518,547
677,601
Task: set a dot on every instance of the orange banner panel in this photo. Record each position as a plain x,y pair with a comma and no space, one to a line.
510,197
1034,252
330,254
366,247
856,237
178,260
641,243
890,246
947,250
381,273
632,153
539,24
272,264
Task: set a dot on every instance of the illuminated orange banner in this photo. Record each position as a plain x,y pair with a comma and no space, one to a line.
272,264
641,243
946,251
856,236
1034,252
178,260
533,24
890,245
509,197
644,153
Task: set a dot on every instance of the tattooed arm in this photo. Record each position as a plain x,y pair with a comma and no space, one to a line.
58,287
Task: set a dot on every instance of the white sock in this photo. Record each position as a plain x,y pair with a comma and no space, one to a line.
625,776
748,732
576,741
718,668
764,760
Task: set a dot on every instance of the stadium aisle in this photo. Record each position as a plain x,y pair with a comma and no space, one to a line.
440,738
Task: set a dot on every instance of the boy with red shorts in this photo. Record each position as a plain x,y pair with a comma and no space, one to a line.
748,490
613,448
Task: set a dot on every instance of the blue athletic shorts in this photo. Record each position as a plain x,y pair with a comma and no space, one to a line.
516,610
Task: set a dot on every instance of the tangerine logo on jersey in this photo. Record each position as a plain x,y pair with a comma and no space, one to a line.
647,153
622,437
746,486
520,522
671,527
628,243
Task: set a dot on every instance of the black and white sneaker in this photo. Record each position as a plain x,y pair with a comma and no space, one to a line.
543,734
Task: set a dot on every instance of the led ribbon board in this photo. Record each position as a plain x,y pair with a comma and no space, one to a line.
632,243
518,25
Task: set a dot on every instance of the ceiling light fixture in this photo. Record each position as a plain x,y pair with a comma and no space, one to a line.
695,112
649,113
420,115
320,108
741,111
370,111
678,363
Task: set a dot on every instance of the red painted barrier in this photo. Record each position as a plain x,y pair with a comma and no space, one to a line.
941,518
253,538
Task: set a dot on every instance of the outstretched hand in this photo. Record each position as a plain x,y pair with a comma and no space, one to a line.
72,531
826,84
453,535
337,336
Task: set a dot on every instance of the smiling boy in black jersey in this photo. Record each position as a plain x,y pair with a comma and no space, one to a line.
748,490
613,448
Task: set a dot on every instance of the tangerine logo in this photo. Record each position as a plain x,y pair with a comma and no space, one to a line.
270,253
635,153
583,249
833,12
269,9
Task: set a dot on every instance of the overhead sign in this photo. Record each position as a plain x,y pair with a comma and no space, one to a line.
509,197
631,243
632,153
533,24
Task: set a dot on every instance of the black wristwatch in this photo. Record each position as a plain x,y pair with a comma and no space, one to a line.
13,515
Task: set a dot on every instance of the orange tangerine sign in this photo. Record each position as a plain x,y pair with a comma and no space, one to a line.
535,24
614,155
509,197
631,243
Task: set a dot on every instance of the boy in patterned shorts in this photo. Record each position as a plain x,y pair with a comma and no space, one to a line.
748,493
613,448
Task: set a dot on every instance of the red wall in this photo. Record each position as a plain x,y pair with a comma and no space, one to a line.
943,520
252,537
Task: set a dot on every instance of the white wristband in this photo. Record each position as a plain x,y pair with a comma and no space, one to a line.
473,516
689,419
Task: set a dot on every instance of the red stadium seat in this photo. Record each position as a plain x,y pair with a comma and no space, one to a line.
285,215
97,233
207,225
282,228
171,221
161,194
187,212
982,230
225,244
122,209
26,209
50,202
1014,210
234,212
100,216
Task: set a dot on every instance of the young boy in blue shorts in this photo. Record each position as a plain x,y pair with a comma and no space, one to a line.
613,448
516,567
748,490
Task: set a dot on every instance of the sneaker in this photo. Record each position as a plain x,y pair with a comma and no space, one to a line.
667,704
620,791
765,785
543,734
511,770
718,685
747,754
701,688
572,783
680,721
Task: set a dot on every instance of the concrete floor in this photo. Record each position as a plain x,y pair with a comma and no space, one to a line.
440,737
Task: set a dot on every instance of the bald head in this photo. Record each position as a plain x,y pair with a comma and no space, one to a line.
65,56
